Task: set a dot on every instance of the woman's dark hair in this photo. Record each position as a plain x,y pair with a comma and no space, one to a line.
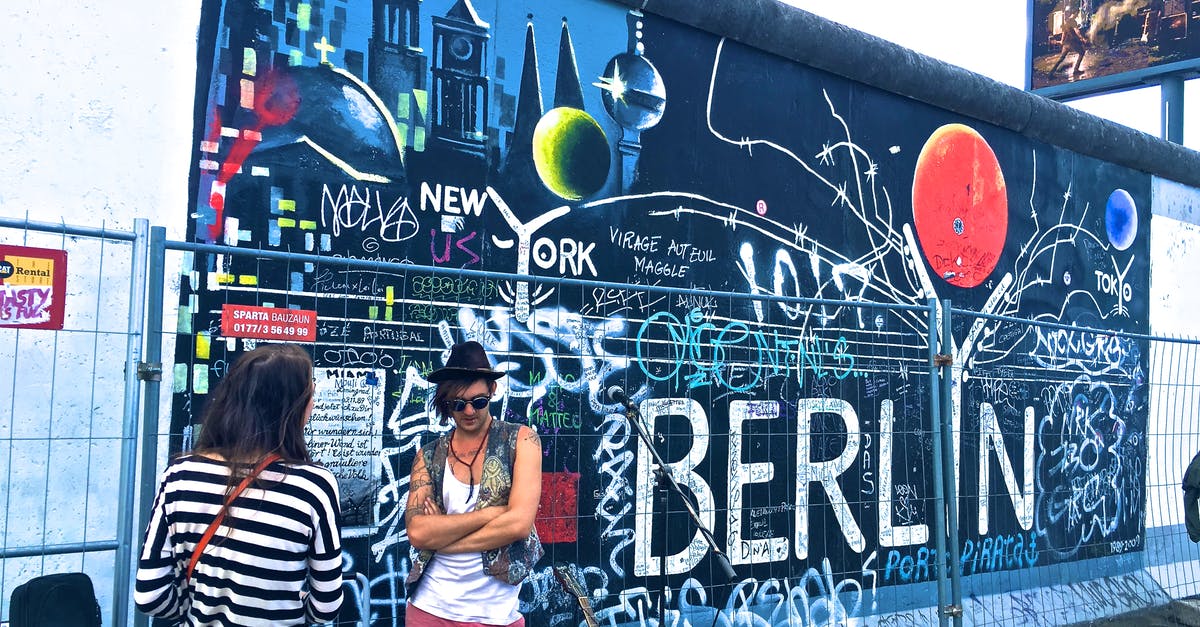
449,390
258,408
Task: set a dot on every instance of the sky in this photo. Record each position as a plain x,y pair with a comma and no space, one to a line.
989,38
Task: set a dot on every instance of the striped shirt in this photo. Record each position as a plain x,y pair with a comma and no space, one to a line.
280,564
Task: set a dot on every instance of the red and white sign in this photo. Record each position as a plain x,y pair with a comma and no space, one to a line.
33,287
268,323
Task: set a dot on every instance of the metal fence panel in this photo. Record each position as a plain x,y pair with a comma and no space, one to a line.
1173,439
66,438
1065,436
791,434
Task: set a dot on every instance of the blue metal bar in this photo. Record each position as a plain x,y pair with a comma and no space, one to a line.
68,229
122,573
1171,95
1072,327
939,467
951,478
69,438
378,266
153,357
57,549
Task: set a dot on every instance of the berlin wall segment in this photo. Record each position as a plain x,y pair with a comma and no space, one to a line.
589,141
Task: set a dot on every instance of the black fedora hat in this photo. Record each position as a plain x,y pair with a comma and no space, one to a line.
467,360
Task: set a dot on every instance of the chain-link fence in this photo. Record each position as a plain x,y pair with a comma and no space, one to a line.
855,462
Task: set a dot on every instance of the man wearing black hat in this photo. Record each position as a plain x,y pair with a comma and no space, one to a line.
472,499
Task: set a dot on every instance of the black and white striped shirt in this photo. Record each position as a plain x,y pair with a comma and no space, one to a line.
280,564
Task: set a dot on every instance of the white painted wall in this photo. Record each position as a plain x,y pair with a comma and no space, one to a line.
95,129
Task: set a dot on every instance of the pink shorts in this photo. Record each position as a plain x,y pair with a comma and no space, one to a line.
417,617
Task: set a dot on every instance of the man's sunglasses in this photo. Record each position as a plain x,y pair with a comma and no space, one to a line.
460,404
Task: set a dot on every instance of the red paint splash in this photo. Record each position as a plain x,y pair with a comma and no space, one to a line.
214,128
276,100
558,512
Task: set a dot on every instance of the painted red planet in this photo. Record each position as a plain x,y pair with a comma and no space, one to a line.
960,206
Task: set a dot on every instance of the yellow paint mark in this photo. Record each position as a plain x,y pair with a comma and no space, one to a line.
387,313
389,295
402,106
285,223
183,320
224,279
203,345
287,204
200,379
304,16
308,225
247,279
249,61
179,379
373,312
422,98
419,139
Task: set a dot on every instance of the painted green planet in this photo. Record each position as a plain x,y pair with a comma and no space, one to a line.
571,153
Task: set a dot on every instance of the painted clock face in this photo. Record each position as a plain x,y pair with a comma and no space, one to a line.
461,48
960,205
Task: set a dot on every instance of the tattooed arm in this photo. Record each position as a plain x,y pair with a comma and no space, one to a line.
428,527
515,523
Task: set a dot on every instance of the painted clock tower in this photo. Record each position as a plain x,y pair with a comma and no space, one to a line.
460,85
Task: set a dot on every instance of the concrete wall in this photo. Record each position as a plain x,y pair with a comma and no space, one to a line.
758,174
95,129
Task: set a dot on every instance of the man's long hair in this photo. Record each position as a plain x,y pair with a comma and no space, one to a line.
448,390
258,408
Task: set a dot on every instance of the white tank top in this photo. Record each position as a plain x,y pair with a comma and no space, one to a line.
454,586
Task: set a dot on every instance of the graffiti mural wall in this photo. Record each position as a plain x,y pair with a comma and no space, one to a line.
584,141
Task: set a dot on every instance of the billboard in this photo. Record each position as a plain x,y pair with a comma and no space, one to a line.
1081,47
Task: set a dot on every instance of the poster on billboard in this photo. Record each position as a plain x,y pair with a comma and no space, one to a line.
1081,47
33,287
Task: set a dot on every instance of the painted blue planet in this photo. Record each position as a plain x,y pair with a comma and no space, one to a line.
1120,219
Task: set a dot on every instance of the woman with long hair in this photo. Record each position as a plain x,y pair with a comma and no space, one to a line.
264,515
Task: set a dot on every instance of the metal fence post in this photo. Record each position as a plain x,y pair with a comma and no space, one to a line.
150,372
137,309
939,466
950,478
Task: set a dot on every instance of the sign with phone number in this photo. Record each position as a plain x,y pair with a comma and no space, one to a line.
268,323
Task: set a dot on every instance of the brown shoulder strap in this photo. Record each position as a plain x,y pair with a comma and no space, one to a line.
212,528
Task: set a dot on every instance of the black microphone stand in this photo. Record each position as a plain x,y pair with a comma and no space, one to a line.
663,475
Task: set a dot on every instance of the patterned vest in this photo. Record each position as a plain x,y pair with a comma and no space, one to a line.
511,563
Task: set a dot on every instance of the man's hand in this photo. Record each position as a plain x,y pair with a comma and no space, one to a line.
428,526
